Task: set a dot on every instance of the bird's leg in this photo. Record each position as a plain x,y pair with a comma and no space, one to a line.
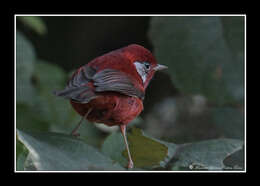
74,131
123,131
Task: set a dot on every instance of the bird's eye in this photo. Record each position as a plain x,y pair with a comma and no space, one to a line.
147,65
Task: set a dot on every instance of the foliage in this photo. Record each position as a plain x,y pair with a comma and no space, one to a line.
206,154
35,23
54,151
205,56
25,55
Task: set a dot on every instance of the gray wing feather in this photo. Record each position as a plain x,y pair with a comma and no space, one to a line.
113,80
77,89
105,80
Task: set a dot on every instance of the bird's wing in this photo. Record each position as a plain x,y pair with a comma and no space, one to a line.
79,89
114,80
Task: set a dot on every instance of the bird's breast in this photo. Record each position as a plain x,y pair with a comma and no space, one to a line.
111,108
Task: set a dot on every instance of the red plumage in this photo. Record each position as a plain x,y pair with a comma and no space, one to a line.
111,108
110,89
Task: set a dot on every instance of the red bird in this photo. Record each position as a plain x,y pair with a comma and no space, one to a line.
110,89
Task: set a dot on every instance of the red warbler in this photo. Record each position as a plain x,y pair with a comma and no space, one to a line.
110,89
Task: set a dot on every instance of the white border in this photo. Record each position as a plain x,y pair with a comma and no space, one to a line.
245,111
245,127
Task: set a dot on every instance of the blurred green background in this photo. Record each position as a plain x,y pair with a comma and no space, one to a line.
200,96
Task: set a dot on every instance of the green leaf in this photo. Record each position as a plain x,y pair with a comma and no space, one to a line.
21,154
113,147
205,55
46,110
54,151
35,23
208,154
236,160
27,118
25,58
150,153
49,77
29,164
146,151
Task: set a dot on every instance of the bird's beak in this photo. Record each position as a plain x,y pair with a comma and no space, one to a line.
160,67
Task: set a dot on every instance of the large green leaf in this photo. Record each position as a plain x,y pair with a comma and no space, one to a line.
205,55
146,151
25,59
208,154
35,23
54,151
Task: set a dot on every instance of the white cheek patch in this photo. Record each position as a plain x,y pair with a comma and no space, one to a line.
140,68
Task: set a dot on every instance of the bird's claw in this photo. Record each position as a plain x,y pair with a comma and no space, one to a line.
75,134
130,164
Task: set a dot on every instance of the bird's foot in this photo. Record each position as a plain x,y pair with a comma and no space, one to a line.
75,134
130,164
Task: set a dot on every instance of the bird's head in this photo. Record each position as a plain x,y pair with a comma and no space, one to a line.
144,62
